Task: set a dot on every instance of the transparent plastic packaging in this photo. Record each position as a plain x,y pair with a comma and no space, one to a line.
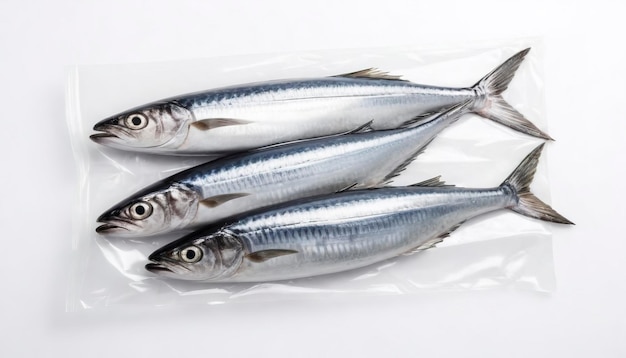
495,250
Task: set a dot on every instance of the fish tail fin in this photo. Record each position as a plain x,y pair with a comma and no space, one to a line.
526,202
490,103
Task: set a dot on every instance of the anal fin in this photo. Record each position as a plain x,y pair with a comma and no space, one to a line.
394,173
435,240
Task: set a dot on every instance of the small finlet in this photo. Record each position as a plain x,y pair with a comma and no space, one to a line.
217,200
372,74
264,255
212,123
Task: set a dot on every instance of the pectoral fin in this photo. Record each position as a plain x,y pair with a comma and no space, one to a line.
261,256
211,123
217,200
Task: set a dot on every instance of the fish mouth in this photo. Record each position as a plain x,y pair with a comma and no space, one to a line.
98,137
109,228
157,268
122,227
114,225
110,134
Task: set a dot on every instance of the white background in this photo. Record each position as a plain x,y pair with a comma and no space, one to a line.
584,59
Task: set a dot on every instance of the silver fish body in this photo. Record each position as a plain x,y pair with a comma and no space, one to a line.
352,230
283,111
227,120
231,185
340,232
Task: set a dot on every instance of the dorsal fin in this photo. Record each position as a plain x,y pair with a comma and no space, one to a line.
367,127
373,74
433,182
435,240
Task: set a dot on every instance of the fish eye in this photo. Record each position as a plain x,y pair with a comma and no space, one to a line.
191,254
140,211
136,121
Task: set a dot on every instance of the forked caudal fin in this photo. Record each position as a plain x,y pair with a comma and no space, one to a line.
527,203
493,106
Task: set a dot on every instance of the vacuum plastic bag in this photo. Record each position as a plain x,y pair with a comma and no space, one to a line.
499,249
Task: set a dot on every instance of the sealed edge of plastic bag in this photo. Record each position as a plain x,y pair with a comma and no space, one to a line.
501,249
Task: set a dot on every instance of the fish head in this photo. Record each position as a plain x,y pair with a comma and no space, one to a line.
151,212
150,126
199,257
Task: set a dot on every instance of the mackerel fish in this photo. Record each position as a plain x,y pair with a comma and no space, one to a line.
345,231
226,120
